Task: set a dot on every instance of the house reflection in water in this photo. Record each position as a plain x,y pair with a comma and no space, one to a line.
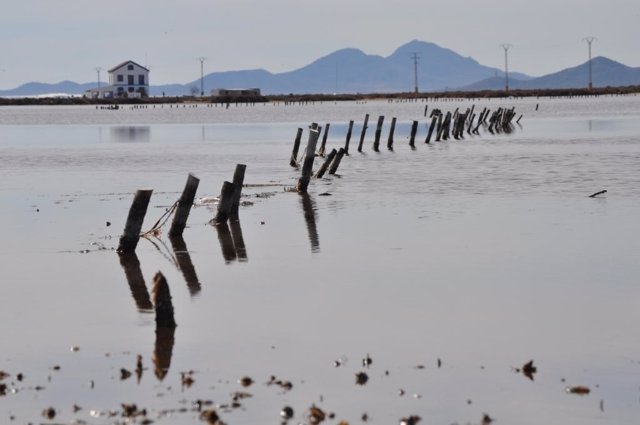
131,134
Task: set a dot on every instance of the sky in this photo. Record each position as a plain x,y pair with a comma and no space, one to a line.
54,40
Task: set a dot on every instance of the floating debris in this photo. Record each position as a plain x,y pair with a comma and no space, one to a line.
286,412
186,378
285,385
245,381
486,419
361,378
529,370
364,417
3,375
410,420
401,392
139,368
578,389
131,411
124,374
602,192
210,416
325,194
49,413
439,363
316,415
74,348
367,361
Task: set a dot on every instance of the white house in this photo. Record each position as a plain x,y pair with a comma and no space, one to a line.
127,79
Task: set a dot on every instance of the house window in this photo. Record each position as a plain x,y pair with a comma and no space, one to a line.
130,80
120,78
141,79
130,89
130,67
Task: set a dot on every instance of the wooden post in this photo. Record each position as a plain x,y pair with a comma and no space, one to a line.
414,129
324,140
336,161
296,145
376,141
425,110
307,167
162,302
325,165
364,131
238,180
391,131
440,128
184,206
346,143
224,204
434,120
129,240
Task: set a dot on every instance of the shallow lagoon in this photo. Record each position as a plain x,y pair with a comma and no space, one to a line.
483,253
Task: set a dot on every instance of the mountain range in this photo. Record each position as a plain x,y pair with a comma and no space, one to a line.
353,71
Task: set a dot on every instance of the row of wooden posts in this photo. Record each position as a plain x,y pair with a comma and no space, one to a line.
442,125
228,206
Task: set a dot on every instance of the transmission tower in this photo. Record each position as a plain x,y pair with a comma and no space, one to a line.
415,57
506,48
590,40
202,59
98,69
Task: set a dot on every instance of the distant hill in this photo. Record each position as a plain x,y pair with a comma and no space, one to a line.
605,73
353,71
35,89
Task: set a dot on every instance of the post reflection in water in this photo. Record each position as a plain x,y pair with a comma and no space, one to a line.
133,273
226,242
232,242
162,351
309,210
185,265
238,240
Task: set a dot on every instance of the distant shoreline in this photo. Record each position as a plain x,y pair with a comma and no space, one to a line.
293,98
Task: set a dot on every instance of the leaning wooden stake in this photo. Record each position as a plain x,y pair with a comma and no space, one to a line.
162,302
129,240
336,162
325,165
391,131
184,206
307,166
414,130
346,143
376,141
224,204
324,140
238,180
434,120
296,145
364,131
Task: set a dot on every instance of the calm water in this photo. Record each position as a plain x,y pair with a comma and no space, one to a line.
484,253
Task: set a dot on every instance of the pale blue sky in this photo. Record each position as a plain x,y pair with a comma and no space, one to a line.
54,40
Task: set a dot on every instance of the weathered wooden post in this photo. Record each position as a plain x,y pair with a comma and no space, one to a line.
346,143
376,141
162,302
440,128
325,165
364,131
391,131
336,161
446,125
224,204
414,130
307,167
434,120
425,110
184,206
238,180
129,240
324,140
296,145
